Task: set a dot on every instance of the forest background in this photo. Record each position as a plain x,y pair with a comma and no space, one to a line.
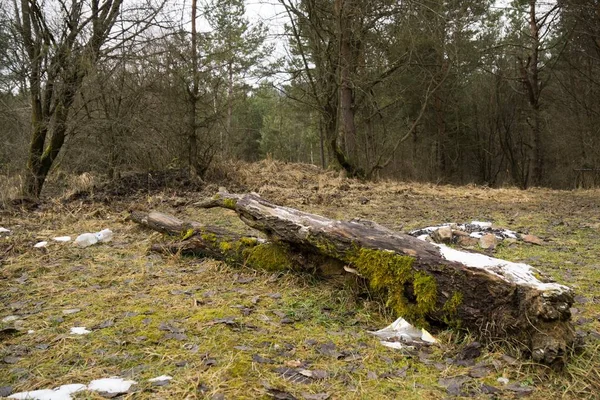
444,91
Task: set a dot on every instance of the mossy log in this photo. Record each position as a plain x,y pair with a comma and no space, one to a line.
194,238
427,284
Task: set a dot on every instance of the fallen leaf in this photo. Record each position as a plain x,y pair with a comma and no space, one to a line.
280,394
11,359
164,326
316,396
479,372
105,324
470,351
329,349
176,336
261,360
5,391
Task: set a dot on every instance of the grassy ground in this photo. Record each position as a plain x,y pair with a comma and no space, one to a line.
237,333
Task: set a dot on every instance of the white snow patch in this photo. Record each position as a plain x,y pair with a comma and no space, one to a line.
40,244
111,385
482,224
79,330
518,273
161,378
4,230
10,318
62,239
30,331
477,235
510,234
63,392
403,333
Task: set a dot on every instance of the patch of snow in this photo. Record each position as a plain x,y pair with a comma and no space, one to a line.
161,378
105,235
510,234
63,392
62,239
86,239
40,244
4,230
402,333
482,224
30,331
477,235
79,330
111,385
518,273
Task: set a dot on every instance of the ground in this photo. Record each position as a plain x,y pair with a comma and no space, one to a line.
237,333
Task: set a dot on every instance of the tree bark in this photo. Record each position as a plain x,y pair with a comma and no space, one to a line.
428,284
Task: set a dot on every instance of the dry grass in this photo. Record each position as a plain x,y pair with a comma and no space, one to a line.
206,323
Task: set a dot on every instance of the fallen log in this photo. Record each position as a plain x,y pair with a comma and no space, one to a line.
427,284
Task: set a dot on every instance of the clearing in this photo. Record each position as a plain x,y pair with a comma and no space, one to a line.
223,332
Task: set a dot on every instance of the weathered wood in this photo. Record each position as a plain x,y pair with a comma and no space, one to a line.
428,284
215,242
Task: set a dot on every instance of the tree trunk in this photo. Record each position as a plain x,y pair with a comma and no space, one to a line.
425,283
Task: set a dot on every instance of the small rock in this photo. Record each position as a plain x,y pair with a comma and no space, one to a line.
488,242
442,235
71,311
532,239
467,241
503,380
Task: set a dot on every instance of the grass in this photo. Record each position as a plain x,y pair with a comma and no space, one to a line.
218,329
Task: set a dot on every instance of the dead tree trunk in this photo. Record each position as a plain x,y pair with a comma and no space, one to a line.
425,283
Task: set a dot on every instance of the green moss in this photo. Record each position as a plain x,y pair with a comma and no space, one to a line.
451,309
248,241
187,234
269,256
240,368
425,289
209,237
229,203
225,246
410,294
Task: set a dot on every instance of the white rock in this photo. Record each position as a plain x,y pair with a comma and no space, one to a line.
503,380
111,385
62,239
79,330
40,244
4,230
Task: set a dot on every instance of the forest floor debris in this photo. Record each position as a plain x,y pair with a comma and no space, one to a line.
236,333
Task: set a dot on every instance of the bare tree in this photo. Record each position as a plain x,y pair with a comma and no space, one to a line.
63,42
